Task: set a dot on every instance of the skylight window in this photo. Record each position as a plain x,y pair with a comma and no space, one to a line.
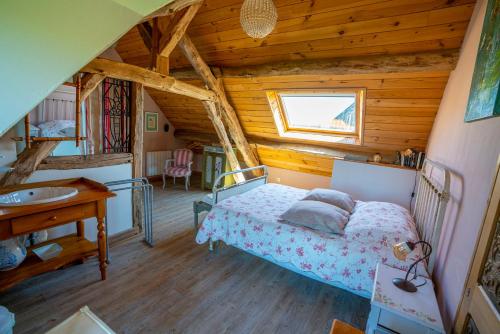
331,116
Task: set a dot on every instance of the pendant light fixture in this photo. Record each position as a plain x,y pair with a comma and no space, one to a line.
258,17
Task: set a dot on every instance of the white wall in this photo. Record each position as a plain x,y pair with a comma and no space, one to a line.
119,207
298,179
7,150
471,151
43,43
366,182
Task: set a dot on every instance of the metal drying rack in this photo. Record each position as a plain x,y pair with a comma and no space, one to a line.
143,185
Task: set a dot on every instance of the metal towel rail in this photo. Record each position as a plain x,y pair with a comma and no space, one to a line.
146,188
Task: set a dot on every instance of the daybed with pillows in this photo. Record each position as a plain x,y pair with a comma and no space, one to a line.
322,233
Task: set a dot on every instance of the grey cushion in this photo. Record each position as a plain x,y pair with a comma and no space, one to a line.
333,197
317,216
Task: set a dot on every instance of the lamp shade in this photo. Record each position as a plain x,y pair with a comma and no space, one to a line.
258,17
403,249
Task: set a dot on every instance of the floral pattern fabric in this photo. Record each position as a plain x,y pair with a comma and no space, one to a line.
250,221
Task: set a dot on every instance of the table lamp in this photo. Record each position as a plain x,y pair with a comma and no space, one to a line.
401,251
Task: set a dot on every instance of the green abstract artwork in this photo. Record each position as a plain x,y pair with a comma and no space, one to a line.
484,98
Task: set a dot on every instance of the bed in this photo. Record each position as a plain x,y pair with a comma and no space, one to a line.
245,216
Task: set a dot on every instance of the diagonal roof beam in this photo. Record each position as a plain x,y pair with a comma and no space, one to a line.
148,78
90,81
146,33
170,39
237,134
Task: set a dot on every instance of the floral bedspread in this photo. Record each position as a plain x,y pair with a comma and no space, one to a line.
250,221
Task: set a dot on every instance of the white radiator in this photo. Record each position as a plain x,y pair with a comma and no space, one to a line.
155,161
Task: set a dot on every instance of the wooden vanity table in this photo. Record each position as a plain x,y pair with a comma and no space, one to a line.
90,201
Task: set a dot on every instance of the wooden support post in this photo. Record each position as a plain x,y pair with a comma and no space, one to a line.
228,112
27,134
146,34
80,228
163,65
137,149
216,119
78,107
95,105
27,162
155,40
89,83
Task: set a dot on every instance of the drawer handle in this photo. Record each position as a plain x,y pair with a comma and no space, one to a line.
53,218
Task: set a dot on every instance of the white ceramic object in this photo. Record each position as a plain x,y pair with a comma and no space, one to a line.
36,238
48,252
7,321
37,196
12,253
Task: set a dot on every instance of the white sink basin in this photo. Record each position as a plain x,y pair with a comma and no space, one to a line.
37,196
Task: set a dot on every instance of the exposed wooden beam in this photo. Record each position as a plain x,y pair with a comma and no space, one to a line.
171,8
27,162
404,63
170,38
155,44
148,78
146,33
196,136
158,63
90,81
163,65
318,150
85,161
416,62
137,148
227,110
137,128
216,119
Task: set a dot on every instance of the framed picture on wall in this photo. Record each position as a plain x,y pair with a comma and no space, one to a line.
151,121
484,99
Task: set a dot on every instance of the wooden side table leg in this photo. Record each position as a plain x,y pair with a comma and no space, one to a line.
80,228
101,242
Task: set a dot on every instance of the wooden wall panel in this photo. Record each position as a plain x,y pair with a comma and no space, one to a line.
316,29
400,111
297,161
400,107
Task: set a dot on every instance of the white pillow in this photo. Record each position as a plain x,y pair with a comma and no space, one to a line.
333,197
316,215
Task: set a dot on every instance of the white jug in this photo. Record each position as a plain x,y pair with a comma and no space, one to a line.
12,253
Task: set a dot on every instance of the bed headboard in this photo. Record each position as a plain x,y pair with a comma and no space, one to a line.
430,204
221,193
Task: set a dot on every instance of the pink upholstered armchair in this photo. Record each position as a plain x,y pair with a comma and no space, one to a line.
179,166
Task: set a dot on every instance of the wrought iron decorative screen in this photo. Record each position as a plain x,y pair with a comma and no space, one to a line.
116,116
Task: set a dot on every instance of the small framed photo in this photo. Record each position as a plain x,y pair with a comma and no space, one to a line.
151,121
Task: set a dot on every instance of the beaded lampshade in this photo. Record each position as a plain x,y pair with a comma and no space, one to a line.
258,17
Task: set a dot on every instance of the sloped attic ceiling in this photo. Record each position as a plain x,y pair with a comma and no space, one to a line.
400,107
44,43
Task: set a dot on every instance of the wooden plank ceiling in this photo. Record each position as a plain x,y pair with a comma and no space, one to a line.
400,107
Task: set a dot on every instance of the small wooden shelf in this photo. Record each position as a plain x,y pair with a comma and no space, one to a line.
74,249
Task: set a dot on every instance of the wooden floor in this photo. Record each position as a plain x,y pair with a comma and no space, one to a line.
179,287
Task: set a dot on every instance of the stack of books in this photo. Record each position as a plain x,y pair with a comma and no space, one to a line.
411,158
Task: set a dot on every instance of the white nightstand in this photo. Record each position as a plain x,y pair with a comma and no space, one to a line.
396,311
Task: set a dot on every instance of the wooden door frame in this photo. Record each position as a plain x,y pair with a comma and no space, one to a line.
483,244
